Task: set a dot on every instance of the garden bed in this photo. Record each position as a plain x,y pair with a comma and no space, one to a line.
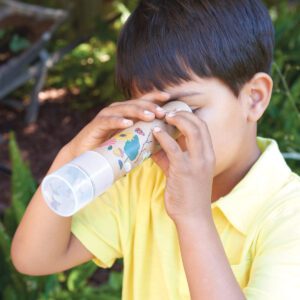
39,142
18,33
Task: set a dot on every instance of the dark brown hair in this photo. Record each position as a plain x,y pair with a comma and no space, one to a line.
163,40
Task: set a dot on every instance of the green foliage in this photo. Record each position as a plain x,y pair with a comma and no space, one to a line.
22,187
89,69
72,284
13,41
282,118
2,33
111,289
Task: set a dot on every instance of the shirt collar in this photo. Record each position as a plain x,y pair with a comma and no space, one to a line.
268,174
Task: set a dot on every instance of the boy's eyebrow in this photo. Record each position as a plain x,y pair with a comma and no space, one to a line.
183,94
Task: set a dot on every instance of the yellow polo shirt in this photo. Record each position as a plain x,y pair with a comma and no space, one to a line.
258,223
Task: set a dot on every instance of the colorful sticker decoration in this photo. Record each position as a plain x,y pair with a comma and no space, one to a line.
132,148
124,136
109,142
120,164
139,131
118,152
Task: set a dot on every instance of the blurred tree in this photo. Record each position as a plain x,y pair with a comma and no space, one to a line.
85,15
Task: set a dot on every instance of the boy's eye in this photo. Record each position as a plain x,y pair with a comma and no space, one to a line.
193,107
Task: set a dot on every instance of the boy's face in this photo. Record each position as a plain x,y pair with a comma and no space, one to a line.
224,114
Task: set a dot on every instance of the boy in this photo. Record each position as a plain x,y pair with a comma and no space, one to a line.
214,214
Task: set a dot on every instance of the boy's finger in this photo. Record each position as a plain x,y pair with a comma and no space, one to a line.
168,144
207,145
112,122
187,125
199,141
208,149
156,96
128,110
144,104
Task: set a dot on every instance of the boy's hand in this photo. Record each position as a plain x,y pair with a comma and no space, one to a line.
189,173
113,118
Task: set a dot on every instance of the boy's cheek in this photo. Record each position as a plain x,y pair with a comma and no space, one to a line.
220,145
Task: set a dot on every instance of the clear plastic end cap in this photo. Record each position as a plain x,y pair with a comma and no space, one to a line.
67,190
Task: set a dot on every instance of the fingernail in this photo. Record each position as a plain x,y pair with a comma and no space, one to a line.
148,113
157,129
160,109
165,94
171,114
128,122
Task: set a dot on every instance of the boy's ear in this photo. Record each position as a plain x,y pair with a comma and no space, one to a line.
257,94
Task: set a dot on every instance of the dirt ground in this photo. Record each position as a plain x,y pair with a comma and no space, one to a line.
39,142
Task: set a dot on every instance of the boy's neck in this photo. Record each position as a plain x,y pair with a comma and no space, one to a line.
223,183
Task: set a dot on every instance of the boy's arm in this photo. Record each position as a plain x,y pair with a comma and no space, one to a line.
43,243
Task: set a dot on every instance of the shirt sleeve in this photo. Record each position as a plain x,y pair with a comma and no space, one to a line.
275,271
104,225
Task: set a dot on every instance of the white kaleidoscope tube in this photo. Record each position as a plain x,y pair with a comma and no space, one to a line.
77,183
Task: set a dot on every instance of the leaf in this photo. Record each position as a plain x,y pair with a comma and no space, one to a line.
51,284
10,293
5,241
115,280
79,276
18,43
23,184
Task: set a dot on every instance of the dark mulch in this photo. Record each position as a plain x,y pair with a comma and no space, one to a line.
39,142
23,27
